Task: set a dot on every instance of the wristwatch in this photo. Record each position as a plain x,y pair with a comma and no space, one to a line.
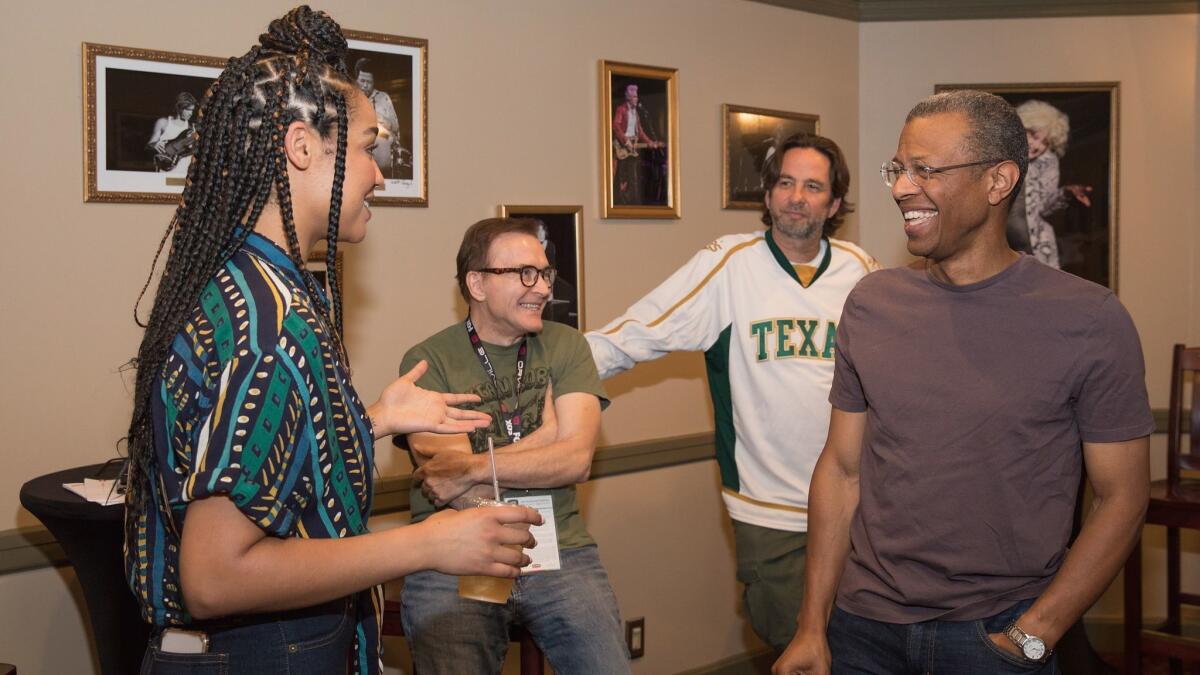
1031,646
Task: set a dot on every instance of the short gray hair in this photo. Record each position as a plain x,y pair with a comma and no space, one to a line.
996,129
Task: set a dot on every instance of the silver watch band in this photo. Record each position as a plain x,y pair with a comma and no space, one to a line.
1019,637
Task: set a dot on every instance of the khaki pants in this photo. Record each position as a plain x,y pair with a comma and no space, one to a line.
771,565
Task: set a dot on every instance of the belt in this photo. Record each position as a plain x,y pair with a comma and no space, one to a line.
209,627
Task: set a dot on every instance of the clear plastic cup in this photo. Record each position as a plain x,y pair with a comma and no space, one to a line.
485,588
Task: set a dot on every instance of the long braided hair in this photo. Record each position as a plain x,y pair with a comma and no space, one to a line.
296,72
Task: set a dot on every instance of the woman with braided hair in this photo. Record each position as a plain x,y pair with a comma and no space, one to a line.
251,454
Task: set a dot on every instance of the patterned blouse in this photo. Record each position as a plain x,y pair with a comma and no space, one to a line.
1043,197
255,404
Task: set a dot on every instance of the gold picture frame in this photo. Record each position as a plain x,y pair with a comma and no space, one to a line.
134,98
563,242
747,138
639,163
400,77
1085,161
315,263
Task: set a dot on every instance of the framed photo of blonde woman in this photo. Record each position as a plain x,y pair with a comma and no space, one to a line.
1066,212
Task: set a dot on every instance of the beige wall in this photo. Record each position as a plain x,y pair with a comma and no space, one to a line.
514,114
513,119
1155,60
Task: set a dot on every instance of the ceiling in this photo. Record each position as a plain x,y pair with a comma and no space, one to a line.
930,10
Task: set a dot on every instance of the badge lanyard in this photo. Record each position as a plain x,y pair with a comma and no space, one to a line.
512,419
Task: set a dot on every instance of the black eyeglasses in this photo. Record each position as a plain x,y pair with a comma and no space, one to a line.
529,274
919,173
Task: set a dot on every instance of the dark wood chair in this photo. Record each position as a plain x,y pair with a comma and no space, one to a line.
1174,503
532,660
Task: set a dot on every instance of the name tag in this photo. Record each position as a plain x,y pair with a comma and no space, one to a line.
544,557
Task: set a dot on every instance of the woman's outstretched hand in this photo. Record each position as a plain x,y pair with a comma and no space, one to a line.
405,408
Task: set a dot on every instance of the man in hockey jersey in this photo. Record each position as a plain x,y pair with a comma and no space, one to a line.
764,308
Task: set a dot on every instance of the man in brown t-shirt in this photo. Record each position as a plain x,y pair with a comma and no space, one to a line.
970,388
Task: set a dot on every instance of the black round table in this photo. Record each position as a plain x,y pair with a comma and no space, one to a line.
92,535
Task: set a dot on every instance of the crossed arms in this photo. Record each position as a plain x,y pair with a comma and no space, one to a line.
558,454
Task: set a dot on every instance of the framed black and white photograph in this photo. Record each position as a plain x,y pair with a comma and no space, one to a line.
316,264
139,121
561,235
639,141
1066,213
748,137
393,72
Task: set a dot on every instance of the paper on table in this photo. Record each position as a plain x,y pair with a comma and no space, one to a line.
103,492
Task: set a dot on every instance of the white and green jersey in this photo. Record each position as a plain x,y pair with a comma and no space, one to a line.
769,347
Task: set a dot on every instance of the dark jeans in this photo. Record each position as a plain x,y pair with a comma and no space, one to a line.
867,647
314,641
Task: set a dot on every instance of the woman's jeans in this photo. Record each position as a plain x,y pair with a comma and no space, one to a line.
312,641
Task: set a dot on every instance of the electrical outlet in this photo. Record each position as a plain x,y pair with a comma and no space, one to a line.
635,637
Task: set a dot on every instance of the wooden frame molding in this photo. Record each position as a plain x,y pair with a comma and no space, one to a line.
27,548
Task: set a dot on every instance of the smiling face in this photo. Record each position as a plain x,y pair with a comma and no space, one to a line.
944,217
362,175
802,199
503,308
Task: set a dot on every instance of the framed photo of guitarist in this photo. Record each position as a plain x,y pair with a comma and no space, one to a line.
139,121
639,141
748,137
393,72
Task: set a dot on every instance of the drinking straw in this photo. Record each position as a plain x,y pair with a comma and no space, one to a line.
492,458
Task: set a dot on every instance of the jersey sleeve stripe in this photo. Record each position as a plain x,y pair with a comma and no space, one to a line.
866,266
691,294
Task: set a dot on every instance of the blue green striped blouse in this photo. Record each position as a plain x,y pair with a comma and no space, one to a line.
253,403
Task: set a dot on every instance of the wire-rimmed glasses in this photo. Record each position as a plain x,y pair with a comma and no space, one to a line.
919,173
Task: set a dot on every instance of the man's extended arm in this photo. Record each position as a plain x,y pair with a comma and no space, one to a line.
1120,477
832,502
686,312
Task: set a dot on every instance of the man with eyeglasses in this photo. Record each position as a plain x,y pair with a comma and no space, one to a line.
537,380
970,387
763,307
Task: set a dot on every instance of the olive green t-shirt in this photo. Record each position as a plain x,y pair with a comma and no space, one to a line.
558,354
